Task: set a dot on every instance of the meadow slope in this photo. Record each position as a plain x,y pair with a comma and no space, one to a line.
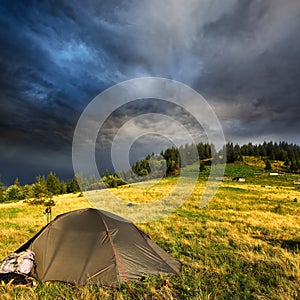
243,245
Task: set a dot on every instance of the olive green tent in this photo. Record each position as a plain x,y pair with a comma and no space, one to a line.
91,246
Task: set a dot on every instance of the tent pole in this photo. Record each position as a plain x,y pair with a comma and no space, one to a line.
119,261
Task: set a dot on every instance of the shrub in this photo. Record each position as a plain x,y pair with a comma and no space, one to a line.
49,202
13,193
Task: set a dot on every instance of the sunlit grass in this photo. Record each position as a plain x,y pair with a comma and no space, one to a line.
142,192
243,245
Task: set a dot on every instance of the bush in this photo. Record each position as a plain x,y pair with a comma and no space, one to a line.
49,202
14,193
113,181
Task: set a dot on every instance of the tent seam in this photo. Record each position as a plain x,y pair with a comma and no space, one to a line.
118,259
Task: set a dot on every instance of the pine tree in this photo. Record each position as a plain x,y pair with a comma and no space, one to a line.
287,162
201,150
272,155
63,187
1,192
268,166
230,153
39,189
17,182
106,173
73,187
53,184
202,166
294,166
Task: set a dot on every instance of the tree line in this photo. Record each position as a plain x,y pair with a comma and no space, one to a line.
283,151
205,153
168,163
44,188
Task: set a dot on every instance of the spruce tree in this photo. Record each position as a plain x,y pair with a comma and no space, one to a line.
53,184
1,192
268,166
73,187
17,182
202,166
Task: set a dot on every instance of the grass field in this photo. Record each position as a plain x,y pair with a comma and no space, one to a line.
244,245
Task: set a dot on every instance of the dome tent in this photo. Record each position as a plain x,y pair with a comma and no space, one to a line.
91,246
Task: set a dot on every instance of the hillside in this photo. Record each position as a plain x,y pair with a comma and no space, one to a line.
243,245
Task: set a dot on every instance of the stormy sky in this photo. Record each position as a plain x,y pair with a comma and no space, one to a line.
243,57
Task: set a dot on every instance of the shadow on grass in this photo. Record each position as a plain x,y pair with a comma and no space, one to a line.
289,245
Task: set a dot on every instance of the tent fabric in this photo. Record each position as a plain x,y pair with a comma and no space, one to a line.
91,246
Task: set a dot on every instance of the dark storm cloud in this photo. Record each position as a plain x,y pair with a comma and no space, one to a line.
158,109
255,69
56,56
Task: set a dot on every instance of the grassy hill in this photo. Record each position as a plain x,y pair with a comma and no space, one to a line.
244,245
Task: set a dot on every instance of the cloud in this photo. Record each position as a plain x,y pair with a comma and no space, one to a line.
242,56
